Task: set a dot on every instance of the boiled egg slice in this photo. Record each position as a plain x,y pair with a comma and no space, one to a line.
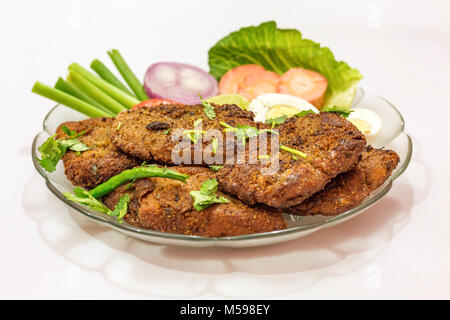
274,105
367,121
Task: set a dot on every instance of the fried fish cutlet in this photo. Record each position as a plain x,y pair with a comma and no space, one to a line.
146,133
349,189
332,145
165,205
102,161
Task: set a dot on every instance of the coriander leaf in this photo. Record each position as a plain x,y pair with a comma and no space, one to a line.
121,208
304,113
202,201
343,112
215,167
51,152
73,144
82,196
68,131
244,132
268,130
208,108
206,197
276,121
209,186
194,135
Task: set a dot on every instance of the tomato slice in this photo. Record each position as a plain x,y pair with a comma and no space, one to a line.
153,102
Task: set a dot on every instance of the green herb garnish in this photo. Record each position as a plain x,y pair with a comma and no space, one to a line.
296,152
304,113
52,150
215,145
205,197
195,134
166,131
208,108
266,156
215,167
121,208
343,112
276,121
82,196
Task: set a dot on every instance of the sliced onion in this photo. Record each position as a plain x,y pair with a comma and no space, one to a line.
179,82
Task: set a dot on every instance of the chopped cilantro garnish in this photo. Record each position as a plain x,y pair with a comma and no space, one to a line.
343,112
195,134
121,208
304,113
276,121
243,132
206,195
208,108
296,152
82,196
52,150
215,167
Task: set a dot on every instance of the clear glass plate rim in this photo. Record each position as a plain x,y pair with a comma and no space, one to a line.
298,229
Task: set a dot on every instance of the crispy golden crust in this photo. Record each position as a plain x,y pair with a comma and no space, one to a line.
102,161
166,205
142,132
332,145
349,189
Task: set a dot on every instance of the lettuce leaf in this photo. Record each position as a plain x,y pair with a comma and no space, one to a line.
280,49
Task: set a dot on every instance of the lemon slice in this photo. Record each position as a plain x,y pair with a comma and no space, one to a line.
231,98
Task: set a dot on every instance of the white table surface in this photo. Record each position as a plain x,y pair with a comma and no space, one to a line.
397,249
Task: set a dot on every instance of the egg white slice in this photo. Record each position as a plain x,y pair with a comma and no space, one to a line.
263,103
369,117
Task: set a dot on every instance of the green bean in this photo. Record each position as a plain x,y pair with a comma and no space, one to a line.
127,74
107,75
132,174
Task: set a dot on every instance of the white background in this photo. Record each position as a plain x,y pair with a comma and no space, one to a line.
402,251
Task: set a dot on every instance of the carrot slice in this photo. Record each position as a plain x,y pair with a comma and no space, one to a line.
249,80
305,84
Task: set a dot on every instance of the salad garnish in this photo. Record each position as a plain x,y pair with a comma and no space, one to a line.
208,108
206,196
52,150
343,112
276,121
279,50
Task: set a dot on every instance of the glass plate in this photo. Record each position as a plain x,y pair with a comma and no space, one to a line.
391,136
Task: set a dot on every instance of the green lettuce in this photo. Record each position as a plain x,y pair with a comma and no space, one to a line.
280,49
